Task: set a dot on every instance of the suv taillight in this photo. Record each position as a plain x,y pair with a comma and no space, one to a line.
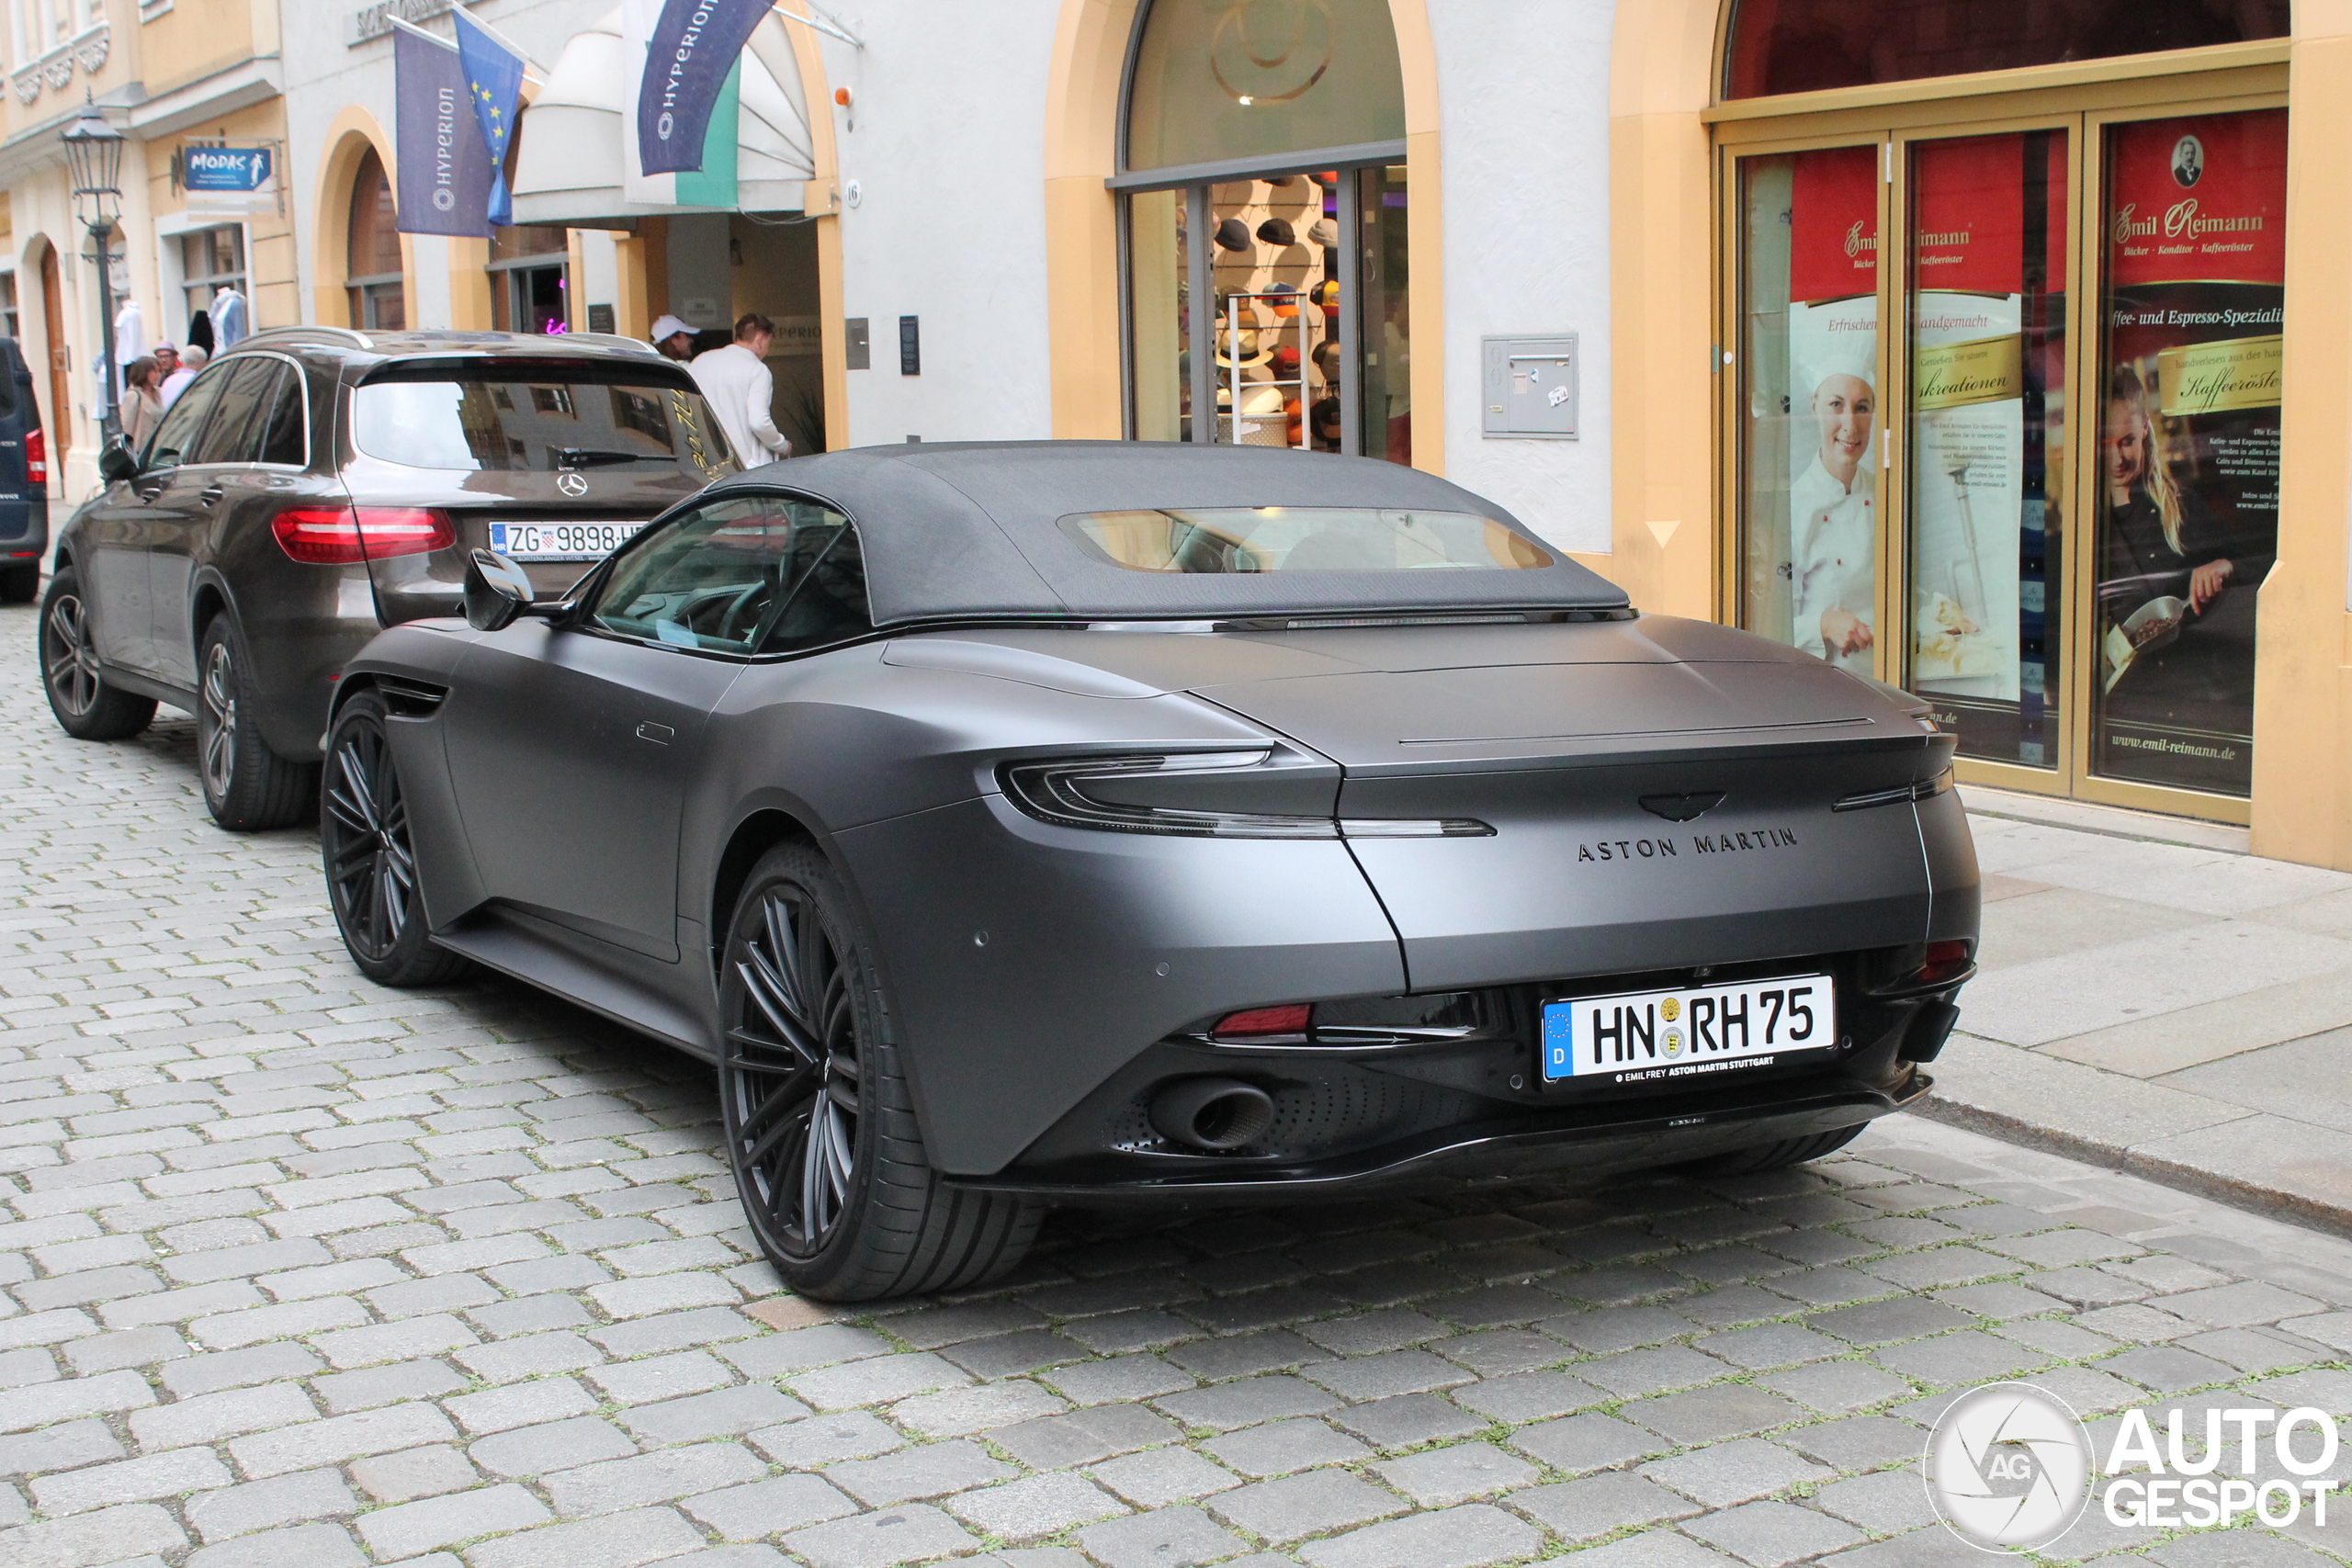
344,536
37,457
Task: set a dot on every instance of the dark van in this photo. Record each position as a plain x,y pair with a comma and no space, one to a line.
24,479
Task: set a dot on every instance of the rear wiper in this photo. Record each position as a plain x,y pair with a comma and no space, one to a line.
594,458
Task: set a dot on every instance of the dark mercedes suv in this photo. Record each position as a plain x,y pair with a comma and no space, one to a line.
314,485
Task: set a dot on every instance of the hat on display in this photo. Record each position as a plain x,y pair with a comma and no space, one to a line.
1233,234
1250,351
1261,403
668,327
1323,231
1327,359
1287,359
1283,300
1277,231
1325,414
1280,179
1328,179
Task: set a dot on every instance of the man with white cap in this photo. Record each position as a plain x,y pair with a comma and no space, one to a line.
674,339
1834,569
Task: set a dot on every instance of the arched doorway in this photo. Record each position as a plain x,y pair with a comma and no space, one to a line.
2002,321
1265,206
374,284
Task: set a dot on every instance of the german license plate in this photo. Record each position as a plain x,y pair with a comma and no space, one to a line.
1693,1032
559,541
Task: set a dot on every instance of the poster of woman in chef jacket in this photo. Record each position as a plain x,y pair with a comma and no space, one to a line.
1832,521
1834,414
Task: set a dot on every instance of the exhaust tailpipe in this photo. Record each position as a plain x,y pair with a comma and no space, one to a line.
1211,1114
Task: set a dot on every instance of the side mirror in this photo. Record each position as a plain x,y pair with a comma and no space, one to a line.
116,464
496,592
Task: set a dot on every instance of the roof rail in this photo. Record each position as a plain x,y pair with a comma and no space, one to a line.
612,340
358,338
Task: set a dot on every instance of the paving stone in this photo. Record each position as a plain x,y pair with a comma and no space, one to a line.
267,1505
1083,1437
1581,1443
1711,1414
823,1440
1725,1474
1883,1323
1889,1503
1159,1476
620,1540
769,1507
1300,1505
1036,1508
1181,1537
427,1472
908,1533
661,1476
1602,1505
1280,1447
1456,1473
1769,1534
1836,1387
932,1470
550,1446
1449,1538
728,1413
406,1529
1224,1407
144,1479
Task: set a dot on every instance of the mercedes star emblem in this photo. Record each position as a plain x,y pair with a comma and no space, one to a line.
571,484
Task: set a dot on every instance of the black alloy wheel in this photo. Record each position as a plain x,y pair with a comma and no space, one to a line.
86,708
820,1125
247,787
369,851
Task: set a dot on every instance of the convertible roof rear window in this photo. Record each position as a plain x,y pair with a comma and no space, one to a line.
1229,541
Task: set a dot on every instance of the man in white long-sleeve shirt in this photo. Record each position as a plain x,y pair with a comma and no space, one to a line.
735,381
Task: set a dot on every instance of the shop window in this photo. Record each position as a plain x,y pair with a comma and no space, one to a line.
372,275
2188,476
213,261
1987,438
1266,296
1802,46
1259,78
530,279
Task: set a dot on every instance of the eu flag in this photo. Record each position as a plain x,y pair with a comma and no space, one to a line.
495,82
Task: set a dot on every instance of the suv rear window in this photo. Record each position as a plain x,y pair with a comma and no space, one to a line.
519,417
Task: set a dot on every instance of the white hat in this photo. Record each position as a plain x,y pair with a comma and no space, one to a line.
669,327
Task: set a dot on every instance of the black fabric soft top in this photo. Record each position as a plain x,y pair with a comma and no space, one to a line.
969,530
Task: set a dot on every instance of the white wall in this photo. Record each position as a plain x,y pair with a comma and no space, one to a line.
948,102
1524,120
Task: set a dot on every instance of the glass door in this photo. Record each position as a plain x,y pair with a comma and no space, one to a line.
1983,519
1805,350
2191,275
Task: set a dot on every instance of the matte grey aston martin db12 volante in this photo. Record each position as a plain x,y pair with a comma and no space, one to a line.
1105,822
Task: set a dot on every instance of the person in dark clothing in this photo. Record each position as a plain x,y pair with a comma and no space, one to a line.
2161,540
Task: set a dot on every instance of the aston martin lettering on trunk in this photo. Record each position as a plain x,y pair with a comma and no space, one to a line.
1703,843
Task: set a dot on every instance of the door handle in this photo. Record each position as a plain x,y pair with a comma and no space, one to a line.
212,493
150,494
660,733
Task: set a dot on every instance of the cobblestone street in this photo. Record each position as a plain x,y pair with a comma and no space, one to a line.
296,1272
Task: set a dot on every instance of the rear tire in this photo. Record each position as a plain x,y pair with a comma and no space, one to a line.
20,585
1775,1156
820,1128
247,787
86,708
366,844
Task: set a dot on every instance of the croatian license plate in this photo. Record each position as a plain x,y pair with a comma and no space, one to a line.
559,541
1695,1031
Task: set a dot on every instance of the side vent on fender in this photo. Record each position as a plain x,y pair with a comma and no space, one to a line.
410,699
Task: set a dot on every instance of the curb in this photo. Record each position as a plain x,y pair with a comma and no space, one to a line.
2269,1201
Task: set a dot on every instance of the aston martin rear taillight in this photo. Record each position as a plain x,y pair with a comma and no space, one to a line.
1945,961
37,457
345,536
1055,791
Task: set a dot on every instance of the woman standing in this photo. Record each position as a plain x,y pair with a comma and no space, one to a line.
142,403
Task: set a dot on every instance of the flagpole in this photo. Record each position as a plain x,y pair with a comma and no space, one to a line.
829,27
411,28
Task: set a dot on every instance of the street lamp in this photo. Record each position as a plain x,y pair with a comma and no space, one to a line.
93,152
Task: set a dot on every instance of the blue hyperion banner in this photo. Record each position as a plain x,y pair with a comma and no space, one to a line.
444,171
494,82
692,49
